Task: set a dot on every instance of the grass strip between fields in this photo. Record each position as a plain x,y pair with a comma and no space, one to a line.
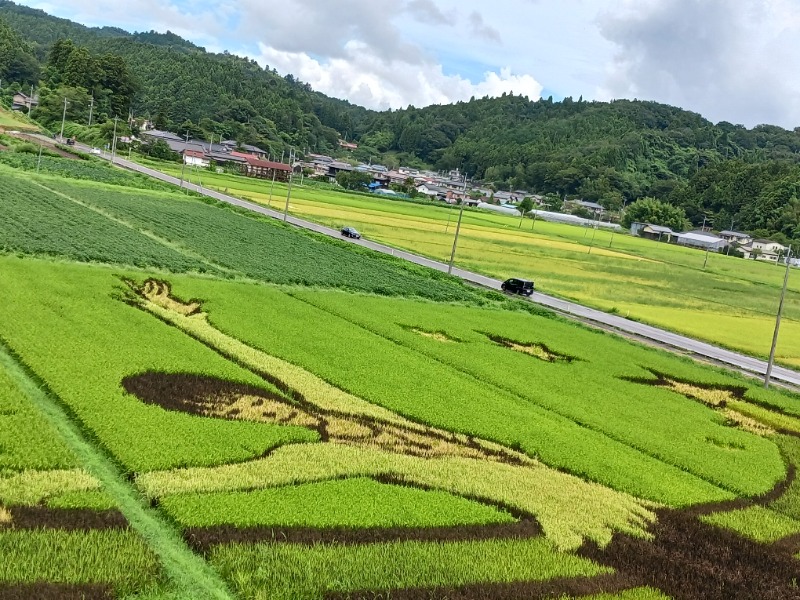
191,576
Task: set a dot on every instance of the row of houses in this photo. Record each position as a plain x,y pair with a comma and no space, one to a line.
250,160
751,248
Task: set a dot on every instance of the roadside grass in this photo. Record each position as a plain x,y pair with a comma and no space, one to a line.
319,505
287,571
90,169
732,302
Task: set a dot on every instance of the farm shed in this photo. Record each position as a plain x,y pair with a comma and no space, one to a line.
266,169
703,241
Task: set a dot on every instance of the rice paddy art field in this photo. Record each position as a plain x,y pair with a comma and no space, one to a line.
732,302
200,403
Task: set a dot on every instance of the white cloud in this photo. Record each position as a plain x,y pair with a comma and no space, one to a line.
731,61
737,65
366,80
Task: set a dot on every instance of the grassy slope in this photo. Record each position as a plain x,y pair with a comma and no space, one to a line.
15,121
731,303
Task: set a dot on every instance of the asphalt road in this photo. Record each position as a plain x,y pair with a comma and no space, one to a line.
742,362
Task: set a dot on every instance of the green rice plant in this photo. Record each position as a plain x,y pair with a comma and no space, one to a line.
789,503
55,317
29,488
36,221
757,523
552,497
114,557
593,390
26,440
579,416
768,417
356,503
259,248
288,571
91,499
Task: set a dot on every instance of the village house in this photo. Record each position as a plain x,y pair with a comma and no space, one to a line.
736,237
23,102
232,145
335,167
433,191
196,158
348,145
592,207
652,232
765,250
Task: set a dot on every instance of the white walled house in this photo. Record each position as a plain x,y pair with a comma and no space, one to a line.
765,250
195,158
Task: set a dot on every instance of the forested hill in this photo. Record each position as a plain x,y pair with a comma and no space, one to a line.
180,84
612,152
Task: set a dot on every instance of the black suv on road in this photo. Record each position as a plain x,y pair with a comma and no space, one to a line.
351,233
518,286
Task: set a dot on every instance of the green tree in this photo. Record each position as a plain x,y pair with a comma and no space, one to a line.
655,212
17,62
524,207
51,105
353,180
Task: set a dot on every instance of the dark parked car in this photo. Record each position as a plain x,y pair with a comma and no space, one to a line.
351,233
518,286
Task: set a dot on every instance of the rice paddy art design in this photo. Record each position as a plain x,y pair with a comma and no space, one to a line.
361,439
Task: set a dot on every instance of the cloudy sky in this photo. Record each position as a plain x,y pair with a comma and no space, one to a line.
731,60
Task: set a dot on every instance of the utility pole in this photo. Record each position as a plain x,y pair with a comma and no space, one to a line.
289,193
114,142
183,167
39,161
455,240
705,262
771,362
594,233
30,103
91,110
272,187
63,120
